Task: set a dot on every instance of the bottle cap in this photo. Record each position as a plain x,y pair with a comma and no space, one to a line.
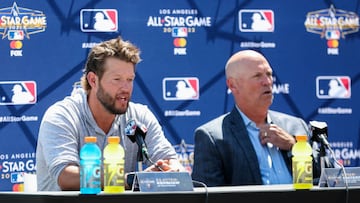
90,139
301,137
114,139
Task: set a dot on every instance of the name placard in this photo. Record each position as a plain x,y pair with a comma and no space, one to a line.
335,177
162,181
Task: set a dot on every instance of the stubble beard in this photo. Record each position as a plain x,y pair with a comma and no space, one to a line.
109,102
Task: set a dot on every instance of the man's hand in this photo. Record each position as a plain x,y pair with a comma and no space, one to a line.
169,165
271,133
69,178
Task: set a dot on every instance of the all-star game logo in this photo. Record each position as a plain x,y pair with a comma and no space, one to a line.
17,24
179,23
332,24
185,153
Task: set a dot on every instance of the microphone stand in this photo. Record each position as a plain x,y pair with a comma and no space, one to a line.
140,159
140,140
323,159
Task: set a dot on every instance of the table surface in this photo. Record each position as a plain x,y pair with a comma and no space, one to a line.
259,193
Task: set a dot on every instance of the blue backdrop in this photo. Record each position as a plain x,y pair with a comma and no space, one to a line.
313,47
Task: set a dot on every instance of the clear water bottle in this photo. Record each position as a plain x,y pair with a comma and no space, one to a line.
90,167
302,163
114,174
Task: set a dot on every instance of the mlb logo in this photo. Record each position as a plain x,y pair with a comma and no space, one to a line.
179,32
130,128
17,177
333,87
178,88
332,34
17,92
256,20
98,20
15,35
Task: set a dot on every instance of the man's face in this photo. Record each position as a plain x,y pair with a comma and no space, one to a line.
116,85
254,84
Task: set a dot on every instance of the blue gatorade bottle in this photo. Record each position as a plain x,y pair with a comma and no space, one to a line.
90,167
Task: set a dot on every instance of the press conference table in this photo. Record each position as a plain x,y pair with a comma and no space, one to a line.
243,194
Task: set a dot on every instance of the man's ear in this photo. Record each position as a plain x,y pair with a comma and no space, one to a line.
91,78
230,84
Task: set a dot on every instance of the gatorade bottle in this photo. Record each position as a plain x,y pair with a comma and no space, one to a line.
114,175
90,163
302,167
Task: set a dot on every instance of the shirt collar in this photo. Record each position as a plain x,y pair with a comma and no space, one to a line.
249,122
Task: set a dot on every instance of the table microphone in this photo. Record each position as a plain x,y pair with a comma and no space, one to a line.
319,133
136,132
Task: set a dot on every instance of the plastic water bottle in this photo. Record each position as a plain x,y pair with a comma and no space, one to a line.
114,175
302,167
90,167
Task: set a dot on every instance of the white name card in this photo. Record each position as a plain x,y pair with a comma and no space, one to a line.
162,181
335,177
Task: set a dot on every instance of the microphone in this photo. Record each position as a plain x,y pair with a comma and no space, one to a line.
136,132
319,133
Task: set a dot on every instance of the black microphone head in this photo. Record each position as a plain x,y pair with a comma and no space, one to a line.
318,131
130,130
136,132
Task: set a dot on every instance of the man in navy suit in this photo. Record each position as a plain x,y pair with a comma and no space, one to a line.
251,145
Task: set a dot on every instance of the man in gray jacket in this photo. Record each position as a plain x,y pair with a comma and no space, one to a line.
100,108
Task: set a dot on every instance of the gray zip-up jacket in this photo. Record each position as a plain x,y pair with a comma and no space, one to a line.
67,122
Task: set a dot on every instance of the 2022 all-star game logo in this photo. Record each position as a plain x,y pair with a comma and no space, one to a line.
180,23
17,24
332,24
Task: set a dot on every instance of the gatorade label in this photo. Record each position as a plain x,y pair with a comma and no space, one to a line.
302,171
91,176
114,174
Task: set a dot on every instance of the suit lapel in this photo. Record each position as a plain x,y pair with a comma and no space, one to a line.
238,129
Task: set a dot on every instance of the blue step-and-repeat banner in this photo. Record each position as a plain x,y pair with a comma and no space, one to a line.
313,47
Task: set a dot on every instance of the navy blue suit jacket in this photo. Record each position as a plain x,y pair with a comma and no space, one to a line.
224,154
